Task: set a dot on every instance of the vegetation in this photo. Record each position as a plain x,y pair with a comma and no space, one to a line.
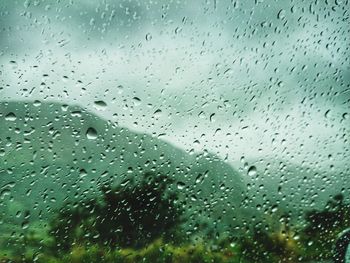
322,228
129,215
311,240
142,221
264,246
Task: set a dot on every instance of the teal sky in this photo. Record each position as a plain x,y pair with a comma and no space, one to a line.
260,79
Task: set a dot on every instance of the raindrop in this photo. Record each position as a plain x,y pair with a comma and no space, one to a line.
211,118
120,89
125,183
157,113
13,64
274,209
181,185
10,184
82,173
201,115
100,104
91,133
281,14
137,101
64,107
4,193
148,37
76,113
326,114
25,225
199,178
10,117
37,103
178,30
252,171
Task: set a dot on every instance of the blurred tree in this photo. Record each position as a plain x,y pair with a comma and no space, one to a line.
322,227
269,245
128,215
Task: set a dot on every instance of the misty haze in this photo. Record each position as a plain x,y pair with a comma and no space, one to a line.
174,131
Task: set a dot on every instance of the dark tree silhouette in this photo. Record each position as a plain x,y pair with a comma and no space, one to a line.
131,215
334,216
323,226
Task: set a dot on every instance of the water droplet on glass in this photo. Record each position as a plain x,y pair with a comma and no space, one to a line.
326,114
211,118
193,198
100,104
76,113
13,64
148,37
281,14
91,133
10,117
199,178
4,193
181,185
82,173
25,225
37,103
137,101
64,107
125,183
157,113
252,171
274,209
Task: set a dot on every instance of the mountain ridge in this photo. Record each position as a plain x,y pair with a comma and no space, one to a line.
52,153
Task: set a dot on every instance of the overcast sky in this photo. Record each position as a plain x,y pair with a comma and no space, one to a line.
260,79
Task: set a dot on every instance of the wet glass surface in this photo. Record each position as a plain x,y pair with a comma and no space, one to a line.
173,131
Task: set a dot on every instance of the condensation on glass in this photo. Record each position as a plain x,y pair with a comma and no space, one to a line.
174,131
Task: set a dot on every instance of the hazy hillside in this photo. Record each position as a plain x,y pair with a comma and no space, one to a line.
292,188
51,153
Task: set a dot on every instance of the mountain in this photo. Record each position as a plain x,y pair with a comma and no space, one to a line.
51,153
287,187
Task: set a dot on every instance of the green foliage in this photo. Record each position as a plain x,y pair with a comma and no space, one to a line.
129,215
156,252
313,240
322,228
269,246
147,216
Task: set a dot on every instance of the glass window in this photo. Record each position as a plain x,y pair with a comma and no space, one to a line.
174,131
